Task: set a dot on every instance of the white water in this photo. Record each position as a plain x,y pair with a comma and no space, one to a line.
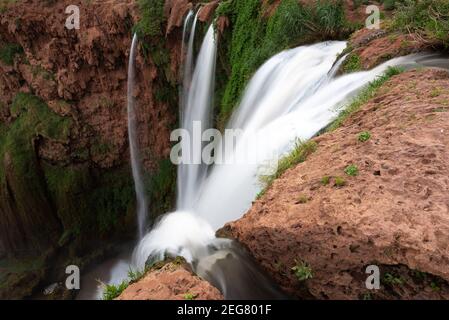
141,199
198,98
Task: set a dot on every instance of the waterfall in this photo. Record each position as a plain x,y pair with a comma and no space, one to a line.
196,104
187,60
293,95
141,200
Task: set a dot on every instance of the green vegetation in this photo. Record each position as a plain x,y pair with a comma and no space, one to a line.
302,271
325,180
364,96
8,51
352,63
391,4
255,37
299,154
364,136
113,291
33,118
352,170
427,18
152,18
340,182
190,296
392,279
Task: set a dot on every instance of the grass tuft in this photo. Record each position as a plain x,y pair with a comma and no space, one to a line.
352,170
302,271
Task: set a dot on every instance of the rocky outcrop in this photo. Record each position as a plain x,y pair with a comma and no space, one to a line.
65,180
173,281
394,213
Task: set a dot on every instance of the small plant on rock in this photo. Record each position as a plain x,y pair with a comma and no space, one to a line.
352,170
325,180
190,296
364,136
302,271
340,182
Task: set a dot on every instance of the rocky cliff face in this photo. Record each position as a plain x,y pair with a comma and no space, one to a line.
65,182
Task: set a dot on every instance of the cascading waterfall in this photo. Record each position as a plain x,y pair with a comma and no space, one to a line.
141,199
196,108
293,95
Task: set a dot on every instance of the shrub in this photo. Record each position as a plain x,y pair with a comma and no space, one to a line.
113,291
364,136
352,170
302,271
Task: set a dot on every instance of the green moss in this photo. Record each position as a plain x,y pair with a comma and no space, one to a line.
152,18
161,187
33,118
8,51
352,63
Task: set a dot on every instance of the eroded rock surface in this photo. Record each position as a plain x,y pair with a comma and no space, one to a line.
394,213
171,282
